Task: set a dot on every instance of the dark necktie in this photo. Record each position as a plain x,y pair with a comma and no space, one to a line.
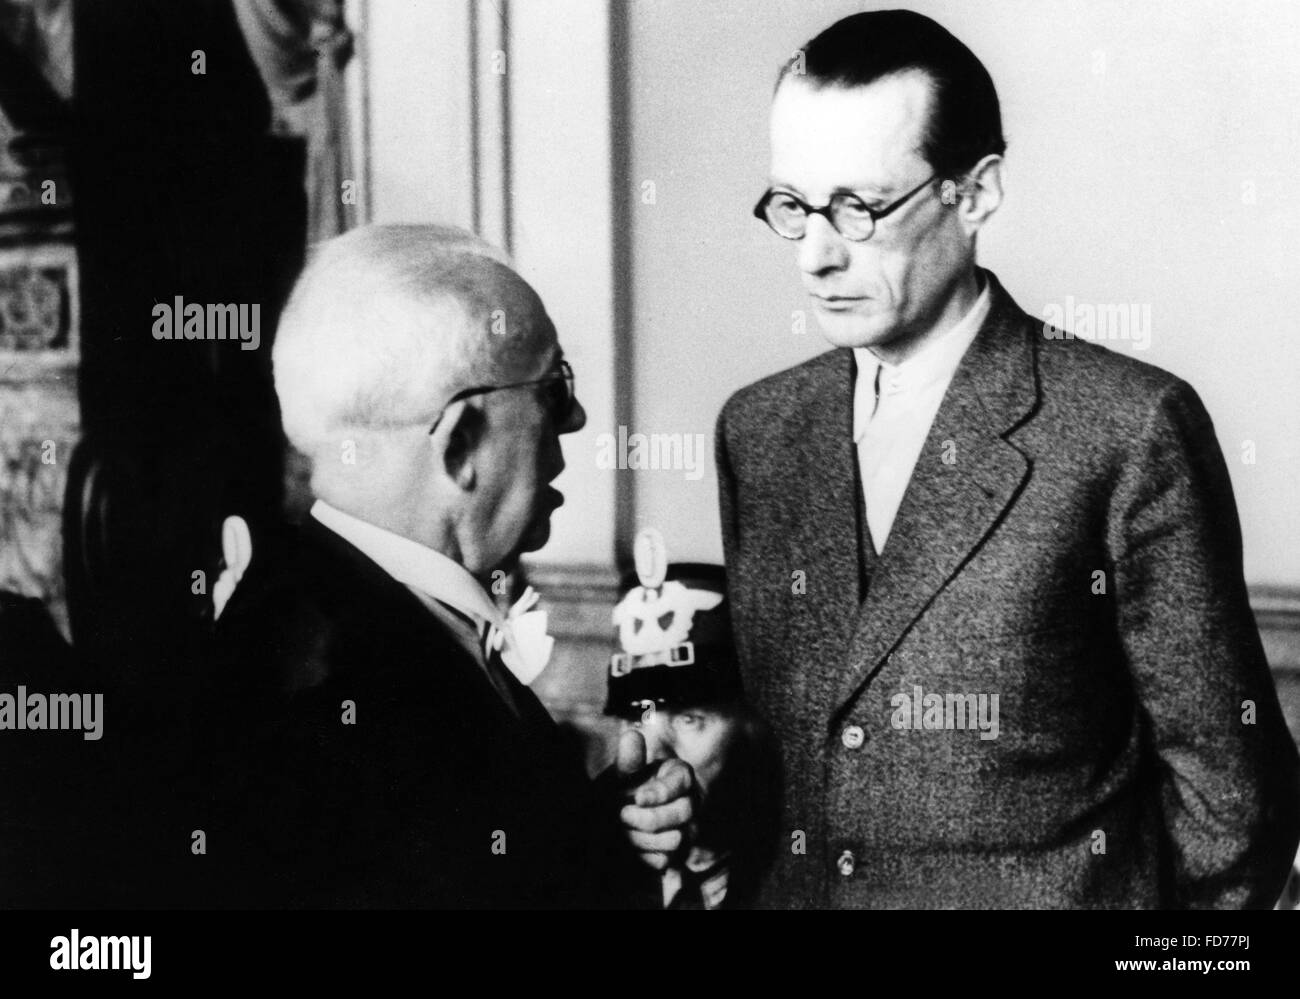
498,672
867,556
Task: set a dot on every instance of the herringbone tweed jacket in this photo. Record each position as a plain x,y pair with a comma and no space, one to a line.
1079,555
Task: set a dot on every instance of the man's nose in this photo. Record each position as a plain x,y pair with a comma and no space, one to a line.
577,418
822,249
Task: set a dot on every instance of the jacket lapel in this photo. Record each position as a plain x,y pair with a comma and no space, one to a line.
432,646
825,523
948,509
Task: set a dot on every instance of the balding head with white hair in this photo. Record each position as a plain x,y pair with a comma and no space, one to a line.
379,317
385,325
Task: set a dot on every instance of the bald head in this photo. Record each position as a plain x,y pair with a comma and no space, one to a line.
387,322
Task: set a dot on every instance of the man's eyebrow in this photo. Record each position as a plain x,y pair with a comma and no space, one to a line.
868,188
781,185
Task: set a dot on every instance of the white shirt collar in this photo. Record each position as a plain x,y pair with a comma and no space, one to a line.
413,564
935,361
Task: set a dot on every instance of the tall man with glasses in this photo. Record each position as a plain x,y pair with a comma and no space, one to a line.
986,580
367,736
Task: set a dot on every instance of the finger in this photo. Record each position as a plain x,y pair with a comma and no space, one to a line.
675,779
631,752
674,815
664,842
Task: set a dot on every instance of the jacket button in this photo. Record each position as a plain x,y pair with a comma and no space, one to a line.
847,863
853,737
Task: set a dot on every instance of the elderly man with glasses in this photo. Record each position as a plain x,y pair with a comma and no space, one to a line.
366,735
986,578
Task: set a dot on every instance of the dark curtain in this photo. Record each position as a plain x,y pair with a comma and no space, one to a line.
182,190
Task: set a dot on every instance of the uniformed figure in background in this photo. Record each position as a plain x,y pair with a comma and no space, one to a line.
674,680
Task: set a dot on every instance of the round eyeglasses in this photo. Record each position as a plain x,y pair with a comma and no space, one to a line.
560,396
851,217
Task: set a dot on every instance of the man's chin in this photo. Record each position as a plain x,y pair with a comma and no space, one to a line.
537,535
848,330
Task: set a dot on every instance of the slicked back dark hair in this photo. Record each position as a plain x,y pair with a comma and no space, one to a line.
965,120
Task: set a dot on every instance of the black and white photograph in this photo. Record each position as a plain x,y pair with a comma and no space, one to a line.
622,456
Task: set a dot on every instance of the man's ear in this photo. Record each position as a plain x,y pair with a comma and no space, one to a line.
981,193
456,441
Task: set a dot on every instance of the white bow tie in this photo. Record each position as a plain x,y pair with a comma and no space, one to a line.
522,640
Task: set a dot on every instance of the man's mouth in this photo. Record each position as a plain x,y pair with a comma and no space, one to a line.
550,500
838,303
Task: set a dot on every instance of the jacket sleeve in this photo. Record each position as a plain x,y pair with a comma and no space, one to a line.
1230,779
728,508
726,487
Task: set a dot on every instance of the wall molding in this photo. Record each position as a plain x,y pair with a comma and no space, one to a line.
580,600
1278,606
490,166
581,597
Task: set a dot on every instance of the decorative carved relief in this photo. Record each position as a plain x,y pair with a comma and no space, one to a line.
38,310
39,354
38,428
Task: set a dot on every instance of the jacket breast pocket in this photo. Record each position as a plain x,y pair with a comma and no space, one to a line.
1061,693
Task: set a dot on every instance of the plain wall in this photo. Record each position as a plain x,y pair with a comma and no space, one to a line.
1151,151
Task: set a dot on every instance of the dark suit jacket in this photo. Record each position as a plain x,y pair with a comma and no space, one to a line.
1121,713
436,797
